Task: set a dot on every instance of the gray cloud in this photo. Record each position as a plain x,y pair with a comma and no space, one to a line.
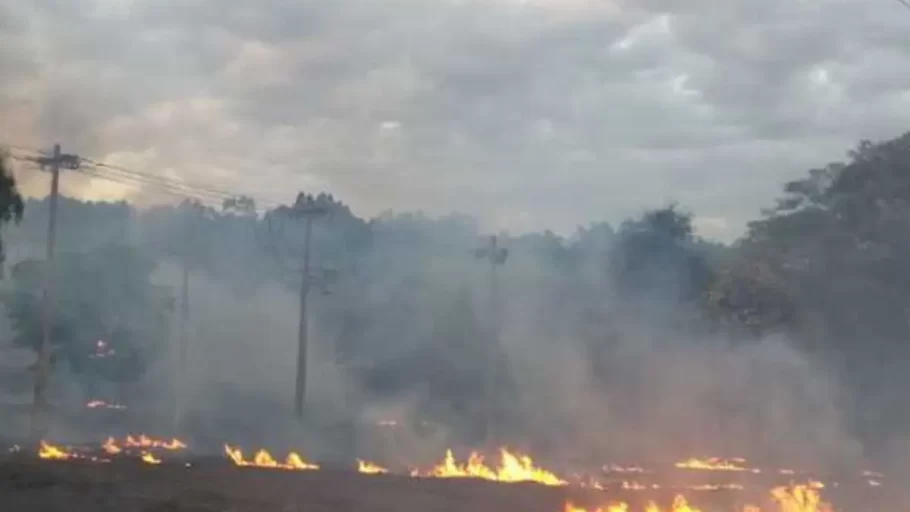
534,114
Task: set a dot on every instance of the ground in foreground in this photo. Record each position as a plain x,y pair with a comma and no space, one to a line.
48,486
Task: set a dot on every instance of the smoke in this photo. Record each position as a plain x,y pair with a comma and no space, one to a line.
400,348
639,388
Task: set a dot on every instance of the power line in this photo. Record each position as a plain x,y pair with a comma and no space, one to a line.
206,194
179,188
905,3
168,188
129,172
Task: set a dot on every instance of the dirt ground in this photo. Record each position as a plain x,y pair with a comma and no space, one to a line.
29,485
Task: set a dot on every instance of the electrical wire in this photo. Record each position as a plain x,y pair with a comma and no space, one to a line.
161,184
151,177
182,193
205,194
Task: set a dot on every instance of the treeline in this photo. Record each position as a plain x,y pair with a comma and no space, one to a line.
826,269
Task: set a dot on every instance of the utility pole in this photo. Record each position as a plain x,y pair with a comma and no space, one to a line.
54,163
191,213
307,209
496,256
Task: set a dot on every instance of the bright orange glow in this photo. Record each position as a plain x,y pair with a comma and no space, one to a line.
716,464
148,458
369,468
52,452
797,498
800,498
264,459
143,441
511,468
111,447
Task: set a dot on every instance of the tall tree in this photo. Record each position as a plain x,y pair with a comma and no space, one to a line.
839,242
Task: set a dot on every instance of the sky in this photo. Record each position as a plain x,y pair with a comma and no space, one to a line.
528,114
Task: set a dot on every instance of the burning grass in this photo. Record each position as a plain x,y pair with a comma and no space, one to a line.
514,467
792,498
140,447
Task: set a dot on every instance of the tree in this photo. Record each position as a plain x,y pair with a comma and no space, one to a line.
656,259
111,321
838,243
11,204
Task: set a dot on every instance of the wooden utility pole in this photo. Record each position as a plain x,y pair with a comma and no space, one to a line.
307,209
496,256
54,163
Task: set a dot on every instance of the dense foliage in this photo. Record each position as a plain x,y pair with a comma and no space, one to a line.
110,322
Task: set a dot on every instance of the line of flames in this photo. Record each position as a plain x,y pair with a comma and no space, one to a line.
112,447
263,459
512,467
794,498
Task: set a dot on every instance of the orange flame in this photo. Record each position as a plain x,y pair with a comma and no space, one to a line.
797,498
111,447
715,464
52,452
143,441
512,468
264,459
800,498
148,458
370,468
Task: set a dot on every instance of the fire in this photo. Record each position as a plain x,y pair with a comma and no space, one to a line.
635,486
370,468
52,452
143,441
48,451
679,505
264,459
716,464
613,507
143,444
797,498
512,468
110,446
148,458
613,468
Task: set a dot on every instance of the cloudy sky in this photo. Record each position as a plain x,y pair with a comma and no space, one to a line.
529,114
